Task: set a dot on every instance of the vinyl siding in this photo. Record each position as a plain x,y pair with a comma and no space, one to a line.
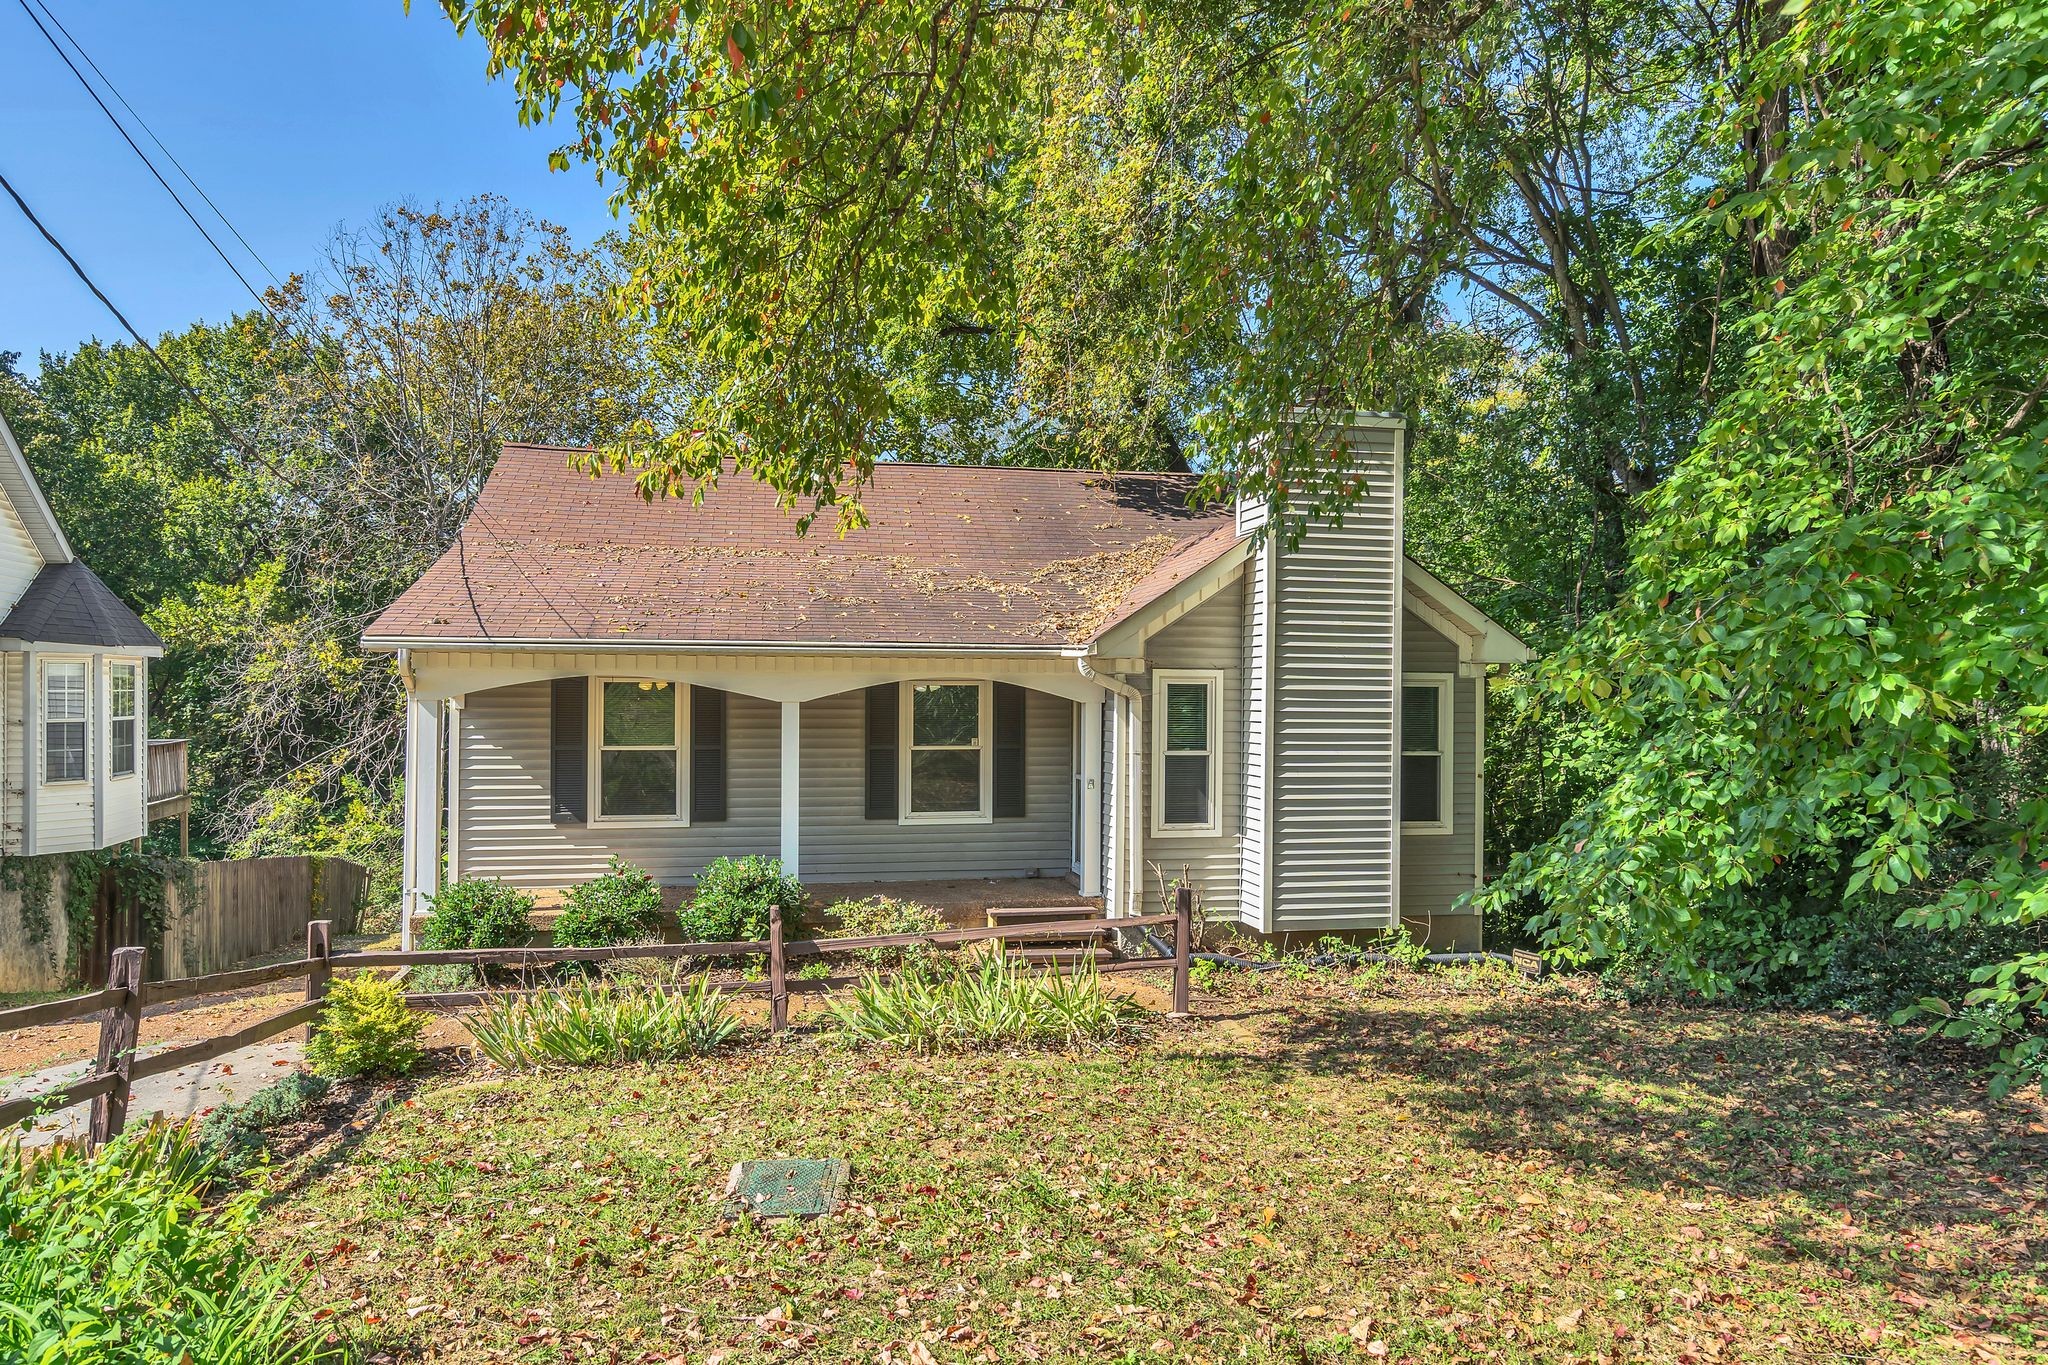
123,816
1251,892
1207,638
64,810
20,561
505,831
1336,598
13,744
1436,869
839,844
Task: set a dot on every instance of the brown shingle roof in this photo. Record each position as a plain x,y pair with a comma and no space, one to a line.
954,556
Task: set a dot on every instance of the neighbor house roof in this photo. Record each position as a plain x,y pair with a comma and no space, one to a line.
954,556
67,604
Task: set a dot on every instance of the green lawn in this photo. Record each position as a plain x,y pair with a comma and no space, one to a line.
1409,1168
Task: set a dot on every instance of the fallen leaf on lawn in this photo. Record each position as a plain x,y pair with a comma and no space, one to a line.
1361,1331
1569,1322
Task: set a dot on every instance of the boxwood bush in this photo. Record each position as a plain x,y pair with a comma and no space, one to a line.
733,899
622,906
478,912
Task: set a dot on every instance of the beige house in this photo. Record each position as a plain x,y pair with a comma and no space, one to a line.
1010,673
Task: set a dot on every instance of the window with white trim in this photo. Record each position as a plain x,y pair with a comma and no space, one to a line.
1185,772
1426,753
121,719
64,722
945,759
637,733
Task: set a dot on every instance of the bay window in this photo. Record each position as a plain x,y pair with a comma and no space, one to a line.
121,719
64,722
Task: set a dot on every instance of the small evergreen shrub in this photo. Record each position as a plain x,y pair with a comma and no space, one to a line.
438,978
622,906
478,912
366,1030
876,916
733,898
593,1024
231,1135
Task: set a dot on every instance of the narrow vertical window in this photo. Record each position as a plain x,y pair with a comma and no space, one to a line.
121,719
64,712
1426,753
639,772
1184,774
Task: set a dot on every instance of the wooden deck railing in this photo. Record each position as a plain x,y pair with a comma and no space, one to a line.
165,776
116,1066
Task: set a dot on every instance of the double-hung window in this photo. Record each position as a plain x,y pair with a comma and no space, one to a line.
1426,753
64,722
121,719
945,759
638,733
1185,750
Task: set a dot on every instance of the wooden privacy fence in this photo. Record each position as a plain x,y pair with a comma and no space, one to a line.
246,907
116,1067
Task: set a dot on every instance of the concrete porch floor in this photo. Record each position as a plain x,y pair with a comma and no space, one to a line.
962,900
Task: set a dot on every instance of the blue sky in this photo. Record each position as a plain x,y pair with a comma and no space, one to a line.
297,116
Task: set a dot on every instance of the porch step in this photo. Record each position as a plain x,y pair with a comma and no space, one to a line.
1040,914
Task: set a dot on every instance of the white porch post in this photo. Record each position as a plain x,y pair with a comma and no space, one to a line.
1091,798
792,729
422,809
455,789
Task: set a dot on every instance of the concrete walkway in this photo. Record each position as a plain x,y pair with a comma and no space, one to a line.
185,1093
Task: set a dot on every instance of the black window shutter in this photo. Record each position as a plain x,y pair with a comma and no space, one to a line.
569,751
881,740
1009,764
707,754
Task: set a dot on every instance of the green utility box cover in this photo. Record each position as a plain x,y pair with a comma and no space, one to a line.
786,1189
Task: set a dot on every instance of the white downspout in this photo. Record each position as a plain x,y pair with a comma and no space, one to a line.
1130,814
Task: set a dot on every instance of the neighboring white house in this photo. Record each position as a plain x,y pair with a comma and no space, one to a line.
75,755
1009,673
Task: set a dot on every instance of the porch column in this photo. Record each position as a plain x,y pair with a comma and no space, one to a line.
422,810
454,789
792,729
1091,798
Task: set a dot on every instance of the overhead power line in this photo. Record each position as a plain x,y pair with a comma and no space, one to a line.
136,147
169,155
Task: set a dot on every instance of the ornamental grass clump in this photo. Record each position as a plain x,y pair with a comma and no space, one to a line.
596,1024
117,1258
994,1004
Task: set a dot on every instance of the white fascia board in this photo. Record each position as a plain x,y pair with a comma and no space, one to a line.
1127,638
1491,642
51,543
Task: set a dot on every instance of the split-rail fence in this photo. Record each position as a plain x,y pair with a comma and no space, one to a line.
117,1065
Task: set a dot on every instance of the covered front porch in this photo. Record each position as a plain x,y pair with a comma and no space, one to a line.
966,783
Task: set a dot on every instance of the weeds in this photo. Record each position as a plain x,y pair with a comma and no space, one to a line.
592,1024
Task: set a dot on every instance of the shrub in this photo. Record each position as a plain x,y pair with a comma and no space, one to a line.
622,906
231,1135
592,1024
1401,947
114,1257
733,898
879,915
437,978
992,1005
366,1030
478,912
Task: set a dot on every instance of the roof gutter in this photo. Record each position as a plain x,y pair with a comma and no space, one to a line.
400,644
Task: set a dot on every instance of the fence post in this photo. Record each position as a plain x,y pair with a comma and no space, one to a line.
1183,945
319,947
120,1026
778,989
